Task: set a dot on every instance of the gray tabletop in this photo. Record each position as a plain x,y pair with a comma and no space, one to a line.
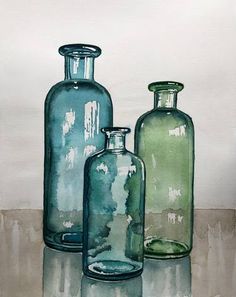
28,268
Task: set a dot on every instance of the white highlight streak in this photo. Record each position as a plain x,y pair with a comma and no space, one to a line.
68,122
154,162
91,119
102,167
75,65
179,131
68,224
89,149
126,170
70,157
174,194
171,217
129,219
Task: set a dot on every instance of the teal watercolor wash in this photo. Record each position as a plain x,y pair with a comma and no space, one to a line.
125,288
164,139
75,111
113,211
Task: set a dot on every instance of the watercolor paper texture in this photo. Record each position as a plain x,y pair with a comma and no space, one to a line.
190,41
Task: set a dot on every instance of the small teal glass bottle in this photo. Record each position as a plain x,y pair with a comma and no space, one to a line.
113,211
164,139
75,110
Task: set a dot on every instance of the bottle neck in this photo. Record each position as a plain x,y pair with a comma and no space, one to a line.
79,67
165,99
115,142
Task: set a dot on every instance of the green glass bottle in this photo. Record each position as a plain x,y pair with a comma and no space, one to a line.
164,139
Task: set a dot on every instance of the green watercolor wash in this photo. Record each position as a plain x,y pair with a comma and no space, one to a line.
164,139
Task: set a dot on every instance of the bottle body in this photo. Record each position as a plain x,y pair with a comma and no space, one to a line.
114,215
75,110
164,139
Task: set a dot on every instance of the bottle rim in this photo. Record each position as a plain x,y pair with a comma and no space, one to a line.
165,85
80,50
116,130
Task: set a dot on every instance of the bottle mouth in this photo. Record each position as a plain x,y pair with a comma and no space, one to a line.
115,130
165,85
80,50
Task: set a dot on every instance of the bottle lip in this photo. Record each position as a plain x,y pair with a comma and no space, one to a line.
116,130
80,50
165,85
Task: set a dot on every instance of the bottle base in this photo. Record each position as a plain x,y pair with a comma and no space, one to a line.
68,242
165,249
112,270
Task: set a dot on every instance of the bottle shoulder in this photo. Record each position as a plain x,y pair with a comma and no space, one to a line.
135,158
106,156
77,88
163,115
187,118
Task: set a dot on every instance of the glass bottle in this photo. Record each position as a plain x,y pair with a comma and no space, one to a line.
164,139
113,211
75,111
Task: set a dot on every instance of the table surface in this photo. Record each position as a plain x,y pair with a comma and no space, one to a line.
28,268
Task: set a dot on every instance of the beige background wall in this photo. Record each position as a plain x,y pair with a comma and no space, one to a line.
189,41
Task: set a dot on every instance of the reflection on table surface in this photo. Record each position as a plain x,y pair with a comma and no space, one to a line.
62,272
167,277
126,288
28,268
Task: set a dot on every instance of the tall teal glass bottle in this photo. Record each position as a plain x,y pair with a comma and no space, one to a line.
113,211
75,111
164,139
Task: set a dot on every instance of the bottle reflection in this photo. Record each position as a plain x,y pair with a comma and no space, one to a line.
126,288
61,273
167,278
